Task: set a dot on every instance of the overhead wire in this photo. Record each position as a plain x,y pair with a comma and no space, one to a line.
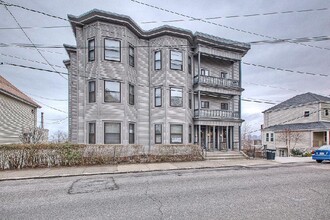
223,26
32,42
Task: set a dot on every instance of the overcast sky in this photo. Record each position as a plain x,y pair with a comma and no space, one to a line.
280,19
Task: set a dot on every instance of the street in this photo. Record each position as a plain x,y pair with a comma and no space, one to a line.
282,192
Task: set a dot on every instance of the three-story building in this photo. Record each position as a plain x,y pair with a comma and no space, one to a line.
163,86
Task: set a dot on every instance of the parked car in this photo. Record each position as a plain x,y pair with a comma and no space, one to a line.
323,153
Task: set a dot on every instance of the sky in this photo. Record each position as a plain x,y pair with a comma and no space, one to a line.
272,71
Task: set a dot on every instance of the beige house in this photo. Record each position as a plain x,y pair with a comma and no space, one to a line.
162,86
300,122
18,112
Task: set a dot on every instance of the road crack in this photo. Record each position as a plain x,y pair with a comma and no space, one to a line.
157,201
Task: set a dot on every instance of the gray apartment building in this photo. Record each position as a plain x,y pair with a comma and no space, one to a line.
162,86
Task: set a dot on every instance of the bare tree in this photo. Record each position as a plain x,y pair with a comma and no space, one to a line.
247,141
59,137
32,135
290,138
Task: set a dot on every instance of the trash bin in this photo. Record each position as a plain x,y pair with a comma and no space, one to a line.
270,154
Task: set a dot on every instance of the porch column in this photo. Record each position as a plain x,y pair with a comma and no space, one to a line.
239,138
199,136
199,103
227,138
213,137
328,137
232,137
206,137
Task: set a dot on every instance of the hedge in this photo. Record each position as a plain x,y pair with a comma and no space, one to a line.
17,156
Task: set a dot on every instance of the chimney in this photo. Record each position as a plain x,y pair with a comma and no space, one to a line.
42,120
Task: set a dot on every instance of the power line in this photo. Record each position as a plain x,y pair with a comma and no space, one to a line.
34,61
241,16
223,26
285,70
34,68
51,107
32,42
296,40
30,27
51,99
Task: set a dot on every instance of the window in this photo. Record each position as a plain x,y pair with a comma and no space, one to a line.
267,137
189,65
326,112
91,92
131,56
176,97
112,50
224,106
176,60
205,104
190,99
158,97
111,91
204,72
272,137
306,114
112,133
91,50
131,134
158,133
223,75
91,133
158,60
176,134
190,134
131,94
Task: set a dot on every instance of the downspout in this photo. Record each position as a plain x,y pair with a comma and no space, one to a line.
240,107
149,81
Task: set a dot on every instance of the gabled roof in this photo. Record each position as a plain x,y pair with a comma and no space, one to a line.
321,126
300,100
9,89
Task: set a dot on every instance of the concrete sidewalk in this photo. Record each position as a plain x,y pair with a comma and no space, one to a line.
146,167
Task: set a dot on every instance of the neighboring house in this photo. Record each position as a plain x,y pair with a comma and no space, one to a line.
18,113
163,86
300,122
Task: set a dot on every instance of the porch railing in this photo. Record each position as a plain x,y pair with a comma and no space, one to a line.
207,113
216,81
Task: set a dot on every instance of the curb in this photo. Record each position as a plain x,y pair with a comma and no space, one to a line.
262,166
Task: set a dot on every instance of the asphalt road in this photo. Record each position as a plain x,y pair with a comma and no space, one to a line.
287,192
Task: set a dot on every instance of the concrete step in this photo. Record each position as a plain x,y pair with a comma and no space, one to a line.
224,155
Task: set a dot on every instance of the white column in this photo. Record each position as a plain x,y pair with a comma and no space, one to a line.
213,133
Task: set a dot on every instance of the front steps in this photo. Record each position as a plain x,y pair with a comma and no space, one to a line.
224,155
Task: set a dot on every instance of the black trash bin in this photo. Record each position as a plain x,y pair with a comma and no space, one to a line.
270,154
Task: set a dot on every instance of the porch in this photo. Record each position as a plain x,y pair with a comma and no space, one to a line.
216,138
216,81
216,113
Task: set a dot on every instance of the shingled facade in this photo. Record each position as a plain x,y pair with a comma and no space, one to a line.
18,112
163,86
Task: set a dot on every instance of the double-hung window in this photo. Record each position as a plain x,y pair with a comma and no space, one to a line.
176,60
272,137
131,56
205,104
267,137
91,133
176,97
190,134
112,49
224,106
131,134
91,50
176,133
306,114
190,99
223,75
91,91
131,94
158,97
158,133
112,133
158,60
112,91
204,72
189,65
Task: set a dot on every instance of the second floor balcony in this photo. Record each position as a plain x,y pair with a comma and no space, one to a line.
216,113
216,82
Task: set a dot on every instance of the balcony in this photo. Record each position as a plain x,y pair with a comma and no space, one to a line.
217,82
219,114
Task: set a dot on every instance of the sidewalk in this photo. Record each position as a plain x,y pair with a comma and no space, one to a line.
146,167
